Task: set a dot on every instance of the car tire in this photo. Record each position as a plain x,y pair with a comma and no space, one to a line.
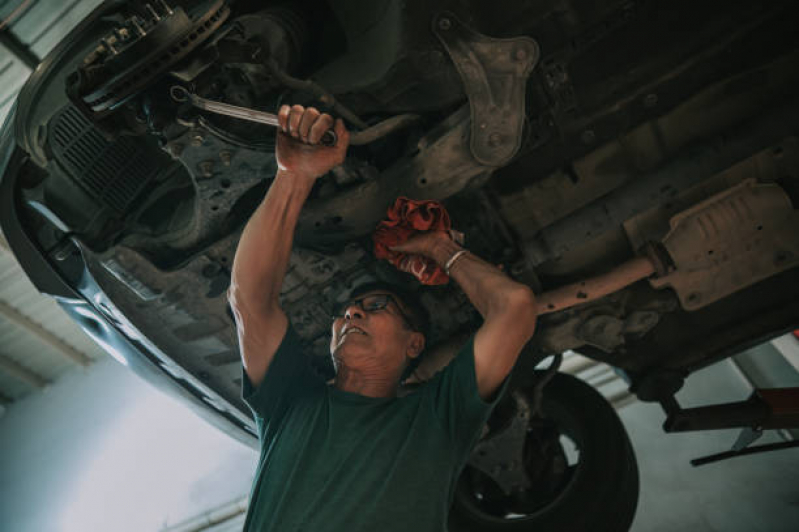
601,494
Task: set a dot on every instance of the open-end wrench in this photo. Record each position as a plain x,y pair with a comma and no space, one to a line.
181,94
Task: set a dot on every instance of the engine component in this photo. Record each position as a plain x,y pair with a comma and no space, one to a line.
684,171
133,55
730,241
95,180
607,332
494,73
221,174
501,456
608,324
591,289
438,171
319,92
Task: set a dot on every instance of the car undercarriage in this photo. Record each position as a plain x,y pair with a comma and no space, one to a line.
565,139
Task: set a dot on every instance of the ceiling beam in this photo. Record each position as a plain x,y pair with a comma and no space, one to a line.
18,371
14,316
18,49
4,244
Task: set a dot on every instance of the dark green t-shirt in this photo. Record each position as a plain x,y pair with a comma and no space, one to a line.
338,461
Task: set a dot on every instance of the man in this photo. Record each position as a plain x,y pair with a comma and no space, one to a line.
354,456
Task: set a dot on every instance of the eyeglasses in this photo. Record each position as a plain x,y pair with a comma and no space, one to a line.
371,304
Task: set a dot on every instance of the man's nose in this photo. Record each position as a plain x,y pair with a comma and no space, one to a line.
353,311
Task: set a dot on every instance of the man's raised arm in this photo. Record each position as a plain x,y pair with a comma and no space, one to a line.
264,249
508,308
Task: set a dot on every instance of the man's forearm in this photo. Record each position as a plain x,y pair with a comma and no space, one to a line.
264,249
508,309
487,287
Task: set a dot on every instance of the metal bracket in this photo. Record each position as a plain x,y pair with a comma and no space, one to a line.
494,73
747,437
730,241
501,456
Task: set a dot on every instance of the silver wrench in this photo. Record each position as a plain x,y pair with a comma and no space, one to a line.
181,94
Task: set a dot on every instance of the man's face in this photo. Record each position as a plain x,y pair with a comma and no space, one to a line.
368,335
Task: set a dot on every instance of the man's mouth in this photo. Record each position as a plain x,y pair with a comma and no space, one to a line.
352,330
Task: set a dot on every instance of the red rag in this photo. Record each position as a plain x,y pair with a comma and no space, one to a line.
407,218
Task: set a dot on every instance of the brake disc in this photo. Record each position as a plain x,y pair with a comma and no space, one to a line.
139,50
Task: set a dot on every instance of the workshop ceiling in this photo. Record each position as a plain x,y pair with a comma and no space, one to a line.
29,29
38,342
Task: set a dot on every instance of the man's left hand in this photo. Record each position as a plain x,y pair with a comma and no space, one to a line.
424,244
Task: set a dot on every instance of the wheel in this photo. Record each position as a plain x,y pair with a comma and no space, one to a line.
579,469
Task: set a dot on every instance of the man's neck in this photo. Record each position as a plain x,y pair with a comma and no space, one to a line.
364,383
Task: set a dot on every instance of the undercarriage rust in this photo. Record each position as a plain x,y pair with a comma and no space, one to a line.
672,169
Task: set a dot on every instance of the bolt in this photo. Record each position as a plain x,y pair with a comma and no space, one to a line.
206,168
153,12
109,45
138,27
444,23
165,7
64,251
197,140
521,54
225,156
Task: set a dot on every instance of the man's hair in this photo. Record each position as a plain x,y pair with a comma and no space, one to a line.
412,307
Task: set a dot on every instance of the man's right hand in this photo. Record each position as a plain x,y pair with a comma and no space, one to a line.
298,149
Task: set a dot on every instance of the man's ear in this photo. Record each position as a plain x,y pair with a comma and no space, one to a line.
416,345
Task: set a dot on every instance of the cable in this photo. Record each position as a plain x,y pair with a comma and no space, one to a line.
749,450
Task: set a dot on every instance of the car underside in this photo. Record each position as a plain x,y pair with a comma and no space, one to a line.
565,138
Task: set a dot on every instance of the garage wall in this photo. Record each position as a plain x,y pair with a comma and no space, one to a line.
103,450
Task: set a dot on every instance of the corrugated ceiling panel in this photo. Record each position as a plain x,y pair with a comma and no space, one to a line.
12,76
41,25
24,347
48,21
30,352
13,73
